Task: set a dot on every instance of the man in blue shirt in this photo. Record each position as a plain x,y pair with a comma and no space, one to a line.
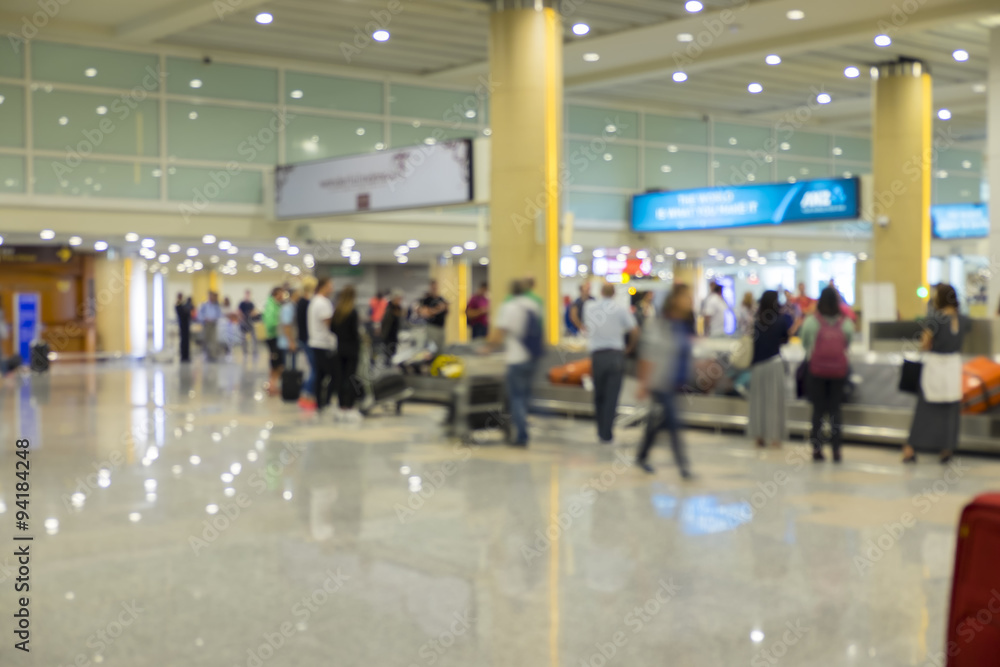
209,315
607,323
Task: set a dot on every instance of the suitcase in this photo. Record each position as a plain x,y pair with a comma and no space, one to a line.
291,385
571,373
10,364
974,618
40,357
980,385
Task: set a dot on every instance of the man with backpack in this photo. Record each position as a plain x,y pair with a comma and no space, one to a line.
519,327
826,336
608,324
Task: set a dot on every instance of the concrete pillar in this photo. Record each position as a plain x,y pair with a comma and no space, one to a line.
901,154
526,110
993,166
112,275
452,276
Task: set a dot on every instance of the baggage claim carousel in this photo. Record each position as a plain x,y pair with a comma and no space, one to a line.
876,412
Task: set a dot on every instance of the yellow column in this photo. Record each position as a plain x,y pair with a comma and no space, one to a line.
452,277
202,283
901,155
526,120
111,281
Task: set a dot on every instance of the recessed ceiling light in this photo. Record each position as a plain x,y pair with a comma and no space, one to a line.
852,72
580,29
457,250
694,6
195,83
944,114
484,261
979,87
101,110
773,59
100,246
470,113
63,120
413,243
163,259
295,94
380,35
823,98
754,88
883,40
47,234
685,37
591,57
293,250
679,77
470,245
666,168
131,237
193,115
90,72
192,252
208,239
148,243
961,55
173,247
837,150
795,14
2,98
225,245
264,18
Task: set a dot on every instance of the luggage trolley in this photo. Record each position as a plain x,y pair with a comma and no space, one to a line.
478,398
387,389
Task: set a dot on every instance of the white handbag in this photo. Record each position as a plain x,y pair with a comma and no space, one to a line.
742,355
941,377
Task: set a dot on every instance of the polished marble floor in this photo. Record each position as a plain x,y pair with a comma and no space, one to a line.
181,517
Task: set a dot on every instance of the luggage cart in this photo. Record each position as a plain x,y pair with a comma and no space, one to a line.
386,389
478,400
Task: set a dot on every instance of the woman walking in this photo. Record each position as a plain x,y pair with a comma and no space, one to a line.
768,424
826,335
345,325
939,407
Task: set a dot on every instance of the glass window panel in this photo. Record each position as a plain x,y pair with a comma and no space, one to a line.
11,116
743,137
316,137
11,60
853,148
66,63
94,178
95,123
954,159
669,130
330,92
185,184
229,82
675,170
806,144
610,165
739,170
955,190
449,106
404,134
602,122
842,170
597,206
801,171
204,132
11,173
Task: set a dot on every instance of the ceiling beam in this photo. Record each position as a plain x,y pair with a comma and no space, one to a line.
179,17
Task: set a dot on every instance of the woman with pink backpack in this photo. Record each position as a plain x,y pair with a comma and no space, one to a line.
826,336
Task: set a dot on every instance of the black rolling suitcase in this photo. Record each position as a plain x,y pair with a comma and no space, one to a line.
40,357
291,385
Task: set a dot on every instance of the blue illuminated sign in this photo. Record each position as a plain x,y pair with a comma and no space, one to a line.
960,221
745,205
26,314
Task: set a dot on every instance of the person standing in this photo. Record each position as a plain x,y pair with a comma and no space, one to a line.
826,336
936,420
519,330
768,423
434,310
272,320
607,324
663,370
323,342
185,310
287,338
209,315
714,311
345,327
307,400
745,318
247,313
477,312
391,323
576,310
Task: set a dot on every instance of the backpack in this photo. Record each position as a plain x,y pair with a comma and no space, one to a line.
829,354
534,337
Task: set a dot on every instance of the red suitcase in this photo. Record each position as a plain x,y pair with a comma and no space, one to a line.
974,620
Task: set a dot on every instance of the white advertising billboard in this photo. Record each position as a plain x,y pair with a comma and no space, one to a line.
402,178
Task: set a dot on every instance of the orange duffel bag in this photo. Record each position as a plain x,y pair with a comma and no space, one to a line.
571,373
980,385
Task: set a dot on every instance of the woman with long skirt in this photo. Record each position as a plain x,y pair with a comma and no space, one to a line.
768,424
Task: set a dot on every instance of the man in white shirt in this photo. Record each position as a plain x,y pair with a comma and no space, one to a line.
714,311
607,324
323,342
516,317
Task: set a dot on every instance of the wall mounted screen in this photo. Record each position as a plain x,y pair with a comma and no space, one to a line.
415,177
960,221
745,205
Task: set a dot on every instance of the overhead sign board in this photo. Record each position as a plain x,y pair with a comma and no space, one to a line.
960,221
439,174
746,205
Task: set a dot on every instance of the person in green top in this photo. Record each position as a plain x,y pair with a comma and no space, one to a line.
272,320
826,336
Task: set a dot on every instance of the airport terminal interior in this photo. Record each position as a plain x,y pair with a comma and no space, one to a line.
499,332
